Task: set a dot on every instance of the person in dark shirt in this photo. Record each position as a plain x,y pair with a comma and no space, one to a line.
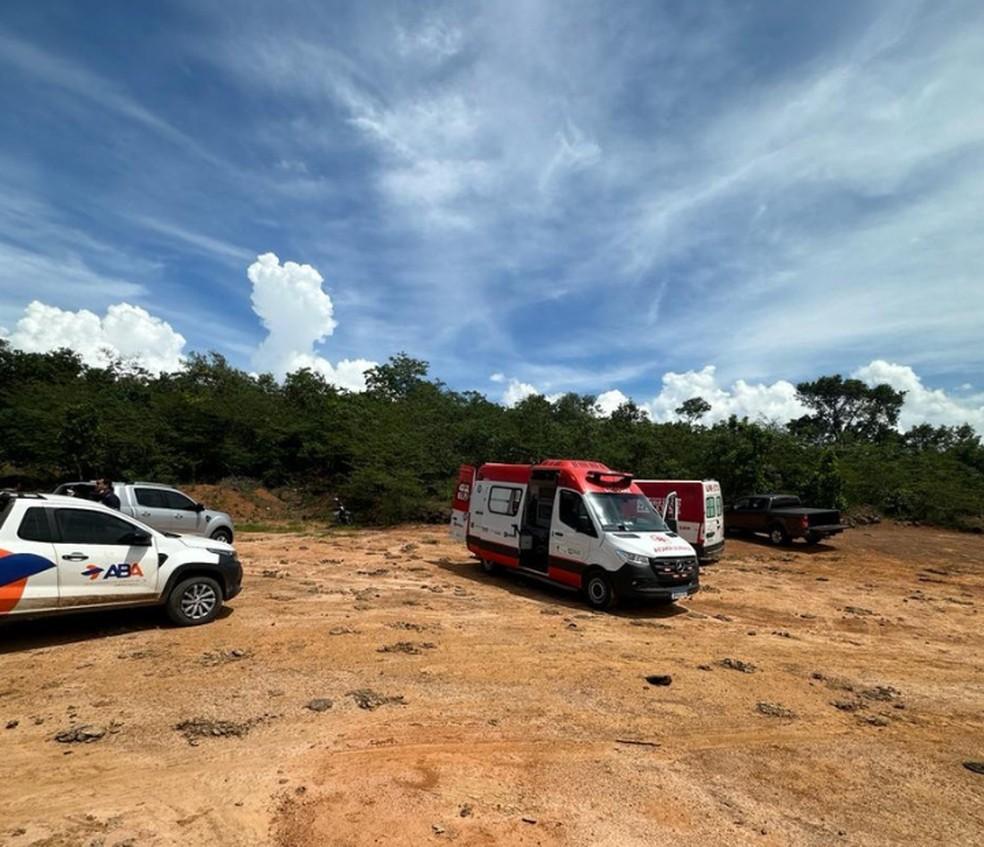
105,494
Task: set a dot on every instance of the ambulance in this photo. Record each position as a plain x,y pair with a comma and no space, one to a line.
693,508
573,523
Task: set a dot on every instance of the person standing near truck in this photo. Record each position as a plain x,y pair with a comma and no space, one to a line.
106,495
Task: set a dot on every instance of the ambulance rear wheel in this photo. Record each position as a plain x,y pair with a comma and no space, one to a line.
598,590
489,566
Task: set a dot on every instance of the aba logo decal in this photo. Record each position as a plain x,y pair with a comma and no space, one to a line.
120,571
15,570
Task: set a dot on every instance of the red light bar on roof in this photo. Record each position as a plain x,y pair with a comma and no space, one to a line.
612,479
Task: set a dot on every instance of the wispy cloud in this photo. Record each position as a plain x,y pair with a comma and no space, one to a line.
583,196
77,80
200,241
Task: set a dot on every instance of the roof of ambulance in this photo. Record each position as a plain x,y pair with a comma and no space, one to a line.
571,473
681,481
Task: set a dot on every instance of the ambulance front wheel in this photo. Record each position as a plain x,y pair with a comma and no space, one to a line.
598,590
489,566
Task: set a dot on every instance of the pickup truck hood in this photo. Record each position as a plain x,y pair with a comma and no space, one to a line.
199,542
652,544
802,510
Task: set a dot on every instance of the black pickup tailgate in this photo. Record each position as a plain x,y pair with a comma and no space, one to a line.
814,517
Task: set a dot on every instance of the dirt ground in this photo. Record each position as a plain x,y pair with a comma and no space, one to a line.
817,698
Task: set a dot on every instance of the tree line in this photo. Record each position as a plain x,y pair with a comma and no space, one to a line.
392,452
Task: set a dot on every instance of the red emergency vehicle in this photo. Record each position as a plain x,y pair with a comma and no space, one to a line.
693,508
576,523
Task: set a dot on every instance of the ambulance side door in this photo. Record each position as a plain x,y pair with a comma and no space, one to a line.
501,503
573,535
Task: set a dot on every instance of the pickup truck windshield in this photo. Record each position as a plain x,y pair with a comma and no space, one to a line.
626,513
785,502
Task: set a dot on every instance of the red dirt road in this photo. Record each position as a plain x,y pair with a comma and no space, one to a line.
525,718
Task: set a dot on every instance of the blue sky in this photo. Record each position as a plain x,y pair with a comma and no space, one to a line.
570,196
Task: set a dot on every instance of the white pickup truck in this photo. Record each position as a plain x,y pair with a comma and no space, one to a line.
61,554
163,507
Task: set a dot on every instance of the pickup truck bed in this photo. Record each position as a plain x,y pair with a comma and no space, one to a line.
782,518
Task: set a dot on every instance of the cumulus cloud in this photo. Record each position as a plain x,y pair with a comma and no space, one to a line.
777,401
922,405
125,332
298,314
758,401
517,392
609,401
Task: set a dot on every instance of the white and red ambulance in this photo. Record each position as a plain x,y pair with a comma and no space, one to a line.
575,523
693,508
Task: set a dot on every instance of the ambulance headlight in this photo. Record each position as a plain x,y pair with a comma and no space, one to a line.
632,558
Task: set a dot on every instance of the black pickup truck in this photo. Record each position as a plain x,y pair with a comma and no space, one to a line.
783,517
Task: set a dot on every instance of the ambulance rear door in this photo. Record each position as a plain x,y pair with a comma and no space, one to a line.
713,514
461,504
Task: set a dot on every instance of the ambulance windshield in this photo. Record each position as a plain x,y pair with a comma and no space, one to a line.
626,513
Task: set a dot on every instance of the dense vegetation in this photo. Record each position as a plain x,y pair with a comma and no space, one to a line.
392,453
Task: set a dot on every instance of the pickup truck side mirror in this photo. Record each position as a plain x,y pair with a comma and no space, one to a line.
199,507
137,538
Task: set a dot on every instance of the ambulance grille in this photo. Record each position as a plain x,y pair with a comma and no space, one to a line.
682,569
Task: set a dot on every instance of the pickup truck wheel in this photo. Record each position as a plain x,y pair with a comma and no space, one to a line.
598,590
194,601
777,535
222,534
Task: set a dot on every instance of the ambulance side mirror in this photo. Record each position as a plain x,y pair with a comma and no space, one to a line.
585,527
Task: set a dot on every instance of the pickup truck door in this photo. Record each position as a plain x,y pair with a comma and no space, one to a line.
186,515
28,575
748,514
151,507
100,561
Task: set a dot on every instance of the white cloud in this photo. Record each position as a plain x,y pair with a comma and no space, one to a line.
777,401
102,93
124,332
517,391
922,405
574,152
758,401
435,39
297,314
609,401
348,373
206,244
